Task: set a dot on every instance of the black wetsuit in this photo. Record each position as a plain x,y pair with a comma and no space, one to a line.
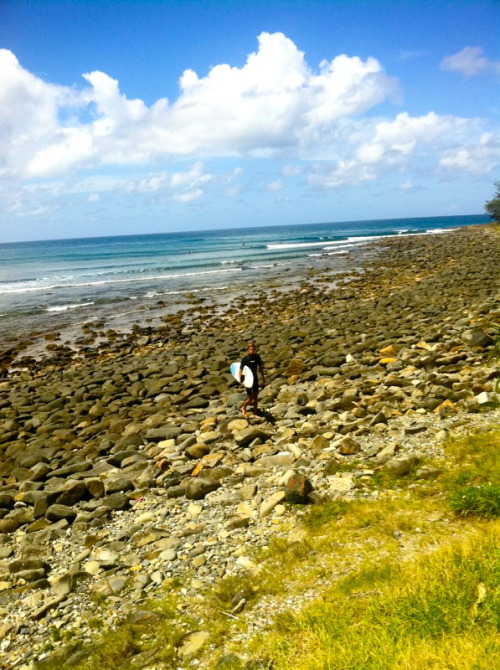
252,361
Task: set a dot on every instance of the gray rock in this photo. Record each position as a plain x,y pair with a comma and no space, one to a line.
402,465
57,512
249,435
198,488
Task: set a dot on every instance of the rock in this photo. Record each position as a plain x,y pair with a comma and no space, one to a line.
297,489
30,564
319,443
415,428
198,488
283,458
192,643
247,436
164,433
348,446
237,522
402,465
57,512
270,503
116,501
73,492
107,559
237,425
476,337
63,585
116,483
341,483
386,454
485,398
95,487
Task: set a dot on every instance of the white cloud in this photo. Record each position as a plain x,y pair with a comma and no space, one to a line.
470,62
422,143
480,158
192,177
188,196
151,183
275,102
292,170
393,142
276,185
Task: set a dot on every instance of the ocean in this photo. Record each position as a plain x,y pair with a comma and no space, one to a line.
46,283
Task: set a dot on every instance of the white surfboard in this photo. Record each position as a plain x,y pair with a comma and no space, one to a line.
247,375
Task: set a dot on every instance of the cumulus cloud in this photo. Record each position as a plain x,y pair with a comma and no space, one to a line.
469,62
384,147
275,105
480,158
276,185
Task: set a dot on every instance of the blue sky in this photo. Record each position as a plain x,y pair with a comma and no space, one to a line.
156,116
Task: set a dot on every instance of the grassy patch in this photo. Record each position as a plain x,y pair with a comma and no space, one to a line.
473,485
483,501
319,516
393,616
154,632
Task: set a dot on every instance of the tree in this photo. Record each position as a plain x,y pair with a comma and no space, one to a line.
492,207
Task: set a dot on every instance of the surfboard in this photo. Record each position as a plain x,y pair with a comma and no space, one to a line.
247,375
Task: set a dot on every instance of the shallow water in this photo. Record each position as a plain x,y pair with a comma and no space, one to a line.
51,284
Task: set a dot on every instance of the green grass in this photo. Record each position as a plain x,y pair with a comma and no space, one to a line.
473,485
318,516
483,501
157,633
393,616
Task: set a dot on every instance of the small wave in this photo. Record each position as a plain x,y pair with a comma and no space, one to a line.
439,231
64,308
359,239
296,245
329,253
127,280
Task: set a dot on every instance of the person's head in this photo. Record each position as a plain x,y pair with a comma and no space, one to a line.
251,349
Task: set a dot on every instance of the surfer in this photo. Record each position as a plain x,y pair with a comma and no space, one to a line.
253,361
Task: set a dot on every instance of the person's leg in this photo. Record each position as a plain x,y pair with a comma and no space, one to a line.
253,399
246,403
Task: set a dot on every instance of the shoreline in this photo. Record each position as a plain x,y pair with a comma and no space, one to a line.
127,465
60,314
70,328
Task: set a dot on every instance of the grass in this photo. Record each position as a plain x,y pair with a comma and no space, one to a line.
156,632
411,615
481,501
408,581
473,485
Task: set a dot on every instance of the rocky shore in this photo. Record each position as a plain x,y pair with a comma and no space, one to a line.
126,463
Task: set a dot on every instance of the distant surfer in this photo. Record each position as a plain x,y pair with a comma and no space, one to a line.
253,361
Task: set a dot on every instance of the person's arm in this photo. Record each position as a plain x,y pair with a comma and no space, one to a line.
263,374
242,365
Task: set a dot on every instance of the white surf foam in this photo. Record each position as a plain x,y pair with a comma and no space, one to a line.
64,308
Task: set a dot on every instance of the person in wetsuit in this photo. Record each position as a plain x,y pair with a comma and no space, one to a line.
254,362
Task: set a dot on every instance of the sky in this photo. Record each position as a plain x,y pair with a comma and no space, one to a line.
128,117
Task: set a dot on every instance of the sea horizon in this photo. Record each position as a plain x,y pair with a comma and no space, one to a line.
241,228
